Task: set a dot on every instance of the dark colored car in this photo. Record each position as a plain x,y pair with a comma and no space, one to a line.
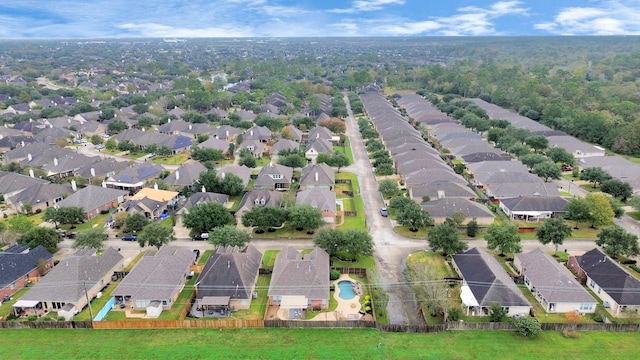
129,237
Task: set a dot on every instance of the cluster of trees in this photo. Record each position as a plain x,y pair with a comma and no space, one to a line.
338,160
409,213
382,162
230,184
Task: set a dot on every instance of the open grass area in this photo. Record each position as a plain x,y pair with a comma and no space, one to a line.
204,257
264,161
182,301
404,231
97,221
7,307
171,160
435,261
634,214
269,259
309,344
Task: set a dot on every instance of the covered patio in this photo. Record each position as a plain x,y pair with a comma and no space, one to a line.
293,307
211,306
28,307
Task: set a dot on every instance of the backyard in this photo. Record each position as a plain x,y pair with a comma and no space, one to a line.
310,344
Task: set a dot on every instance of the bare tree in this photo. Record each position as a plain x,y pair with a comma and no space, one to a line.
430,289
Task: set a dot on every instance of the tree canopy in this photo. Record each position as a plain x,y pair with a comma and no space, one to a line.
505,237
553,231
156,234
346,244
305,216
93,238
616,242
446,237
47,237
229,235
264,217
206,216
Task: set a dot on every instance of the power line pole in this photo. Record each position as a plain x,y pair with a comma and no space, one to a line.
88,301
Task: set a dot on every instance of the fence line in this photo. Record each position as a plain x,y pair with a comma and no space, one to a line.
318,324
46,324
180,324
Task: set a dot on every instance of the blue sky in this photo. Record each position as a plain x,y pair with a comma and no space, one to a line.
314,18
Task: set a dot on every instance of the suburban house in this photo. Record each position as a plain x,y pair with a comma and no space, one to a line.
300,282
241,171
618,290
200,197
317,176
228,280
94,199
439,189
317,146
153,203
102,169
533,208
553,286
274,177
444,208
578,148
292,133
69,285
226,132
320,132
19,266
40,196
257,133
159,277
185,175
13,183
485,282
255,198
134,177
256,147
322,199
280,145
216,144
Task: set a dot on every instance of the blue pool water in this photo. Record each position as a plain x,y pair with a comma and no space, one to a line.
346,290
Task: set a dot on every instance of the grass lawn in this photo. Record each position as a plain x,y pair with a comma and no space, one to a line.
97,304
634,214
435,261
404,231
258,306
269,259
264,161
171,160
7,307
182,301
309,344
204,257
354,222
333,305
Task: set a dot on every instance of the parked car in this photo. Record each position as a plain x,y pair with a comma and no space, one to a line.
199,237
384,212
567,168
100,147
129,237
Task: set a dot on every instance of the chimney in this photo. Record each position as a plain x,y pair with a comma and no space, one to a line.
190,126
316,176
227,133
223,174
104,184
29,157
251,132
22,143
228,264
74,187
55,161
168,120
203,189
155,186
31,173
93,172
440,194
177,174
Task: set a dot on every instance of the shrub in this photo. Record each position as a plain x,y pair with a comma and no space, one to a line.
32,317
61,318
367,297
334,274
454,314
528,326
635,267
570,334
496,312
472,228
597,318
105,211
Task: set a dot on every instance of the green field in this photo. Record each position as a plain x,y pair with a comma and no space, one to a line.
309,344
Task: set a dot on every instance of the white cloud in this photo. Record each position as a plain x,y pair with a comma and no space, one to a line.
615,17
367,5
470,20
159,30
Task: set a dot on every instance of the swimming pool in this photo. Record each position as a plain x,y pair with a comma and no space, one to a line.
346,290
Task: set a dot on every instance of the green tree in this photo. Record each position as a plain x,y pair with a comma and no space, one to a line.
414,217
496,312
207,216
247,159
156,234
616,242
446,237
93,238
388,188
164,151
293,161
504,237
348,244
595,175
472,228
126,145
600,210
96,139
553,231
111,144
117,126
20,223
532,159
71,215
135,222
429,288
339,160
577,209
528,326
400,202
229,235
617,188
537,142
560,155
305,216
264,217
547,170
46,237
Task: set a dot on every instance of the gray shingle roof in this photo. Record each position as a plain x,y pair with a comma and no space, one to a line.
186,174
200,197
487,280
11,182
18,261
157,277
317,175
322,199
295,275
66,282
40,193
551,279
619,284
448,206
535,203
230,272
92,197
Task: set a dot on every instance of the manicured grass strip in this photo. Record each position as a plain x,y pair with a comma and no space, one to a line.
171,160
308,344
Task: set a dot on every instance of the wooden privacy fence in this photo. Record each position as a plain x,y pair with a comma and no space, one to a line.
46,325
179,324
352,271
318,324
